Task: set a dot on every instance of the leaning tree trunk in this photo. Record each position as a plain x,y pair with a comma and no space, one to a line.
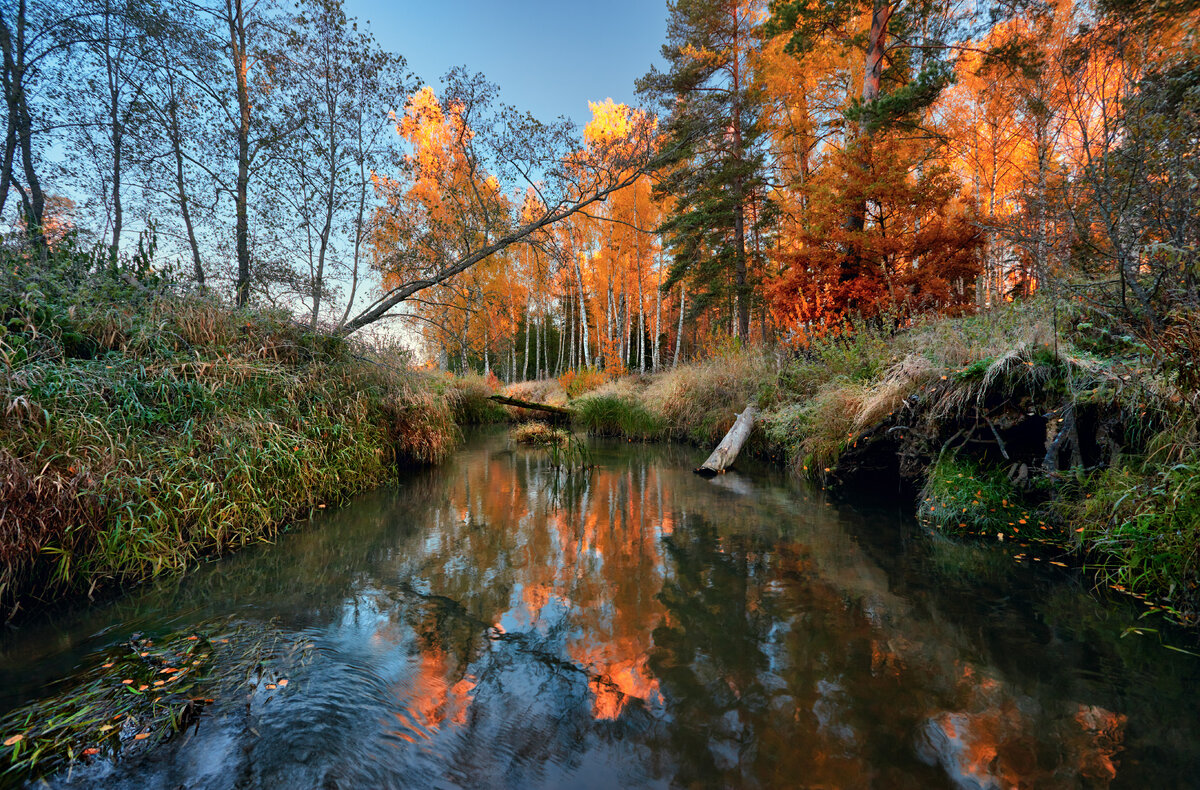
727,451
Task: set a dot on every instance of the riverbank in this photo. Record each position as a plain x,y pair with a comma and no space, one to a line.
1030,423
141,431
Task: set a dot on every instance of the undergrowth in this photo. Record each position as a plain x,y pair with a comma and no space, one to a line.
613,415
142,429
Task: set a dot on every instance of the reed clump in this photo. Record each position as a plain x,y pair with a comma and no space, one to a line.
539,433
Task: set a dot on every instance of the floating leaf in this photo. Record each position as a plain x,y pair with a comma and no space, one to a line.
13,739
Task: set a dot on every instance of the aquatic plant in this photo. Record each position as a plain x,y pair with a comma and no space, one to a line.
612,415
539,433
139,693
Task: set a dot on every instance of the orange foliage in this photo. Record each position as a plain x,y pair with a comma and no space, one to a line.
917,251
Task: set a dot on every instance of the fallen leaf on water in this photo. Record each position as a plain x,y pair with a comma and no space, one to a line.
1059,564
106,728
159,682
106,666
127,681
143,687
90,751
193,638
13,739
283,682
270,686
141,736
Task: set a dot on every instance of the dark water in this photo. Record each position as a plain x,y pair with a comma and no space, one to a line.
487,624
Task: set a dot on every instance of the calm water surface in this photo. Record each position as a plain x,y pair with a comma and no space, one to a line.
488,624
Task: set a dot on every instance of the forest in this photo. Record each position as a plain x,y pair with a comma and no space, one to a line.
795,167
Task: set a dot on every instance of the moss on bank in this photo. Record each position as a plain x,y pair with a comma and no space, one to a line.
140,430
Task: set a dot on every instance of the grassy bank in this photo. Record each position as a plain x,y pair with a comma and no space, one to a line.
141,429
1028,422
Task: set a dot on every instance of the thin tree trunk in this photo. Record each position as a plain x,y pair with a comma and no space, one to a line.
359,227
562,337
528,325
654,357
332,142
739,199
237,43
872,74
583,319
175,133
679,334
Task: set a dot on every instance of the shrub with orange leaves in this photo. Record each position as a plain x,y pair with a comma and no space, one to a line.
584,380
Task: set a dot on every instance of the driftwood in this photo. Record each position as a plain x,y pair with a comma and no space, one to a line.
525,404
727,451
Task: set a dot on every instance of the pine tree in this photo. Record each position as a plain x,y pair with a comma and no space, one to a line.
715,173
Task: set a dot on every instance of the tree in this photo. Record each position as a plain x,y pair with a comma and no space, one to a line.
713,109
112,65
453,213
343,86
29,44
880,226
176,169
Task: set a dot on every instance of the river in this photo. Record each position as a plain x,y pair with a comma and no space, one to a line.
495,623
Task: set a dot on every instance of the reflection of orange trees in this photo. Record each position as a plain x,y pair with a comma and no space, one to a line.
596,557
437,698
996,740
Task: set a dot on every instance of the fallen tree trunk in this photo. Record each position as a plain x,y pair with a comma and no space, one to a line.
727,451
525,404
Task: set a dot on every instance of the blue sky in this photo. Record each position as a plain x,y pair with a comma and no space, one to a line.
549,58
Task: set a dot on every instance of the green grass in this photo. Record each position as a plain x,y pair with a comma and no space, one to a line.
141,430
612,415
961,498
1142,522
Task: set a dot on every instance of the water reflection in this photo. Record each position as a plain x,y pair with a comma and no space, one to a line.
490,624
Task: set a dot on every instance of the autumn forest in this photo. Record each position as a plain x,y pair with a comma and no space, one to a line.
795,165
